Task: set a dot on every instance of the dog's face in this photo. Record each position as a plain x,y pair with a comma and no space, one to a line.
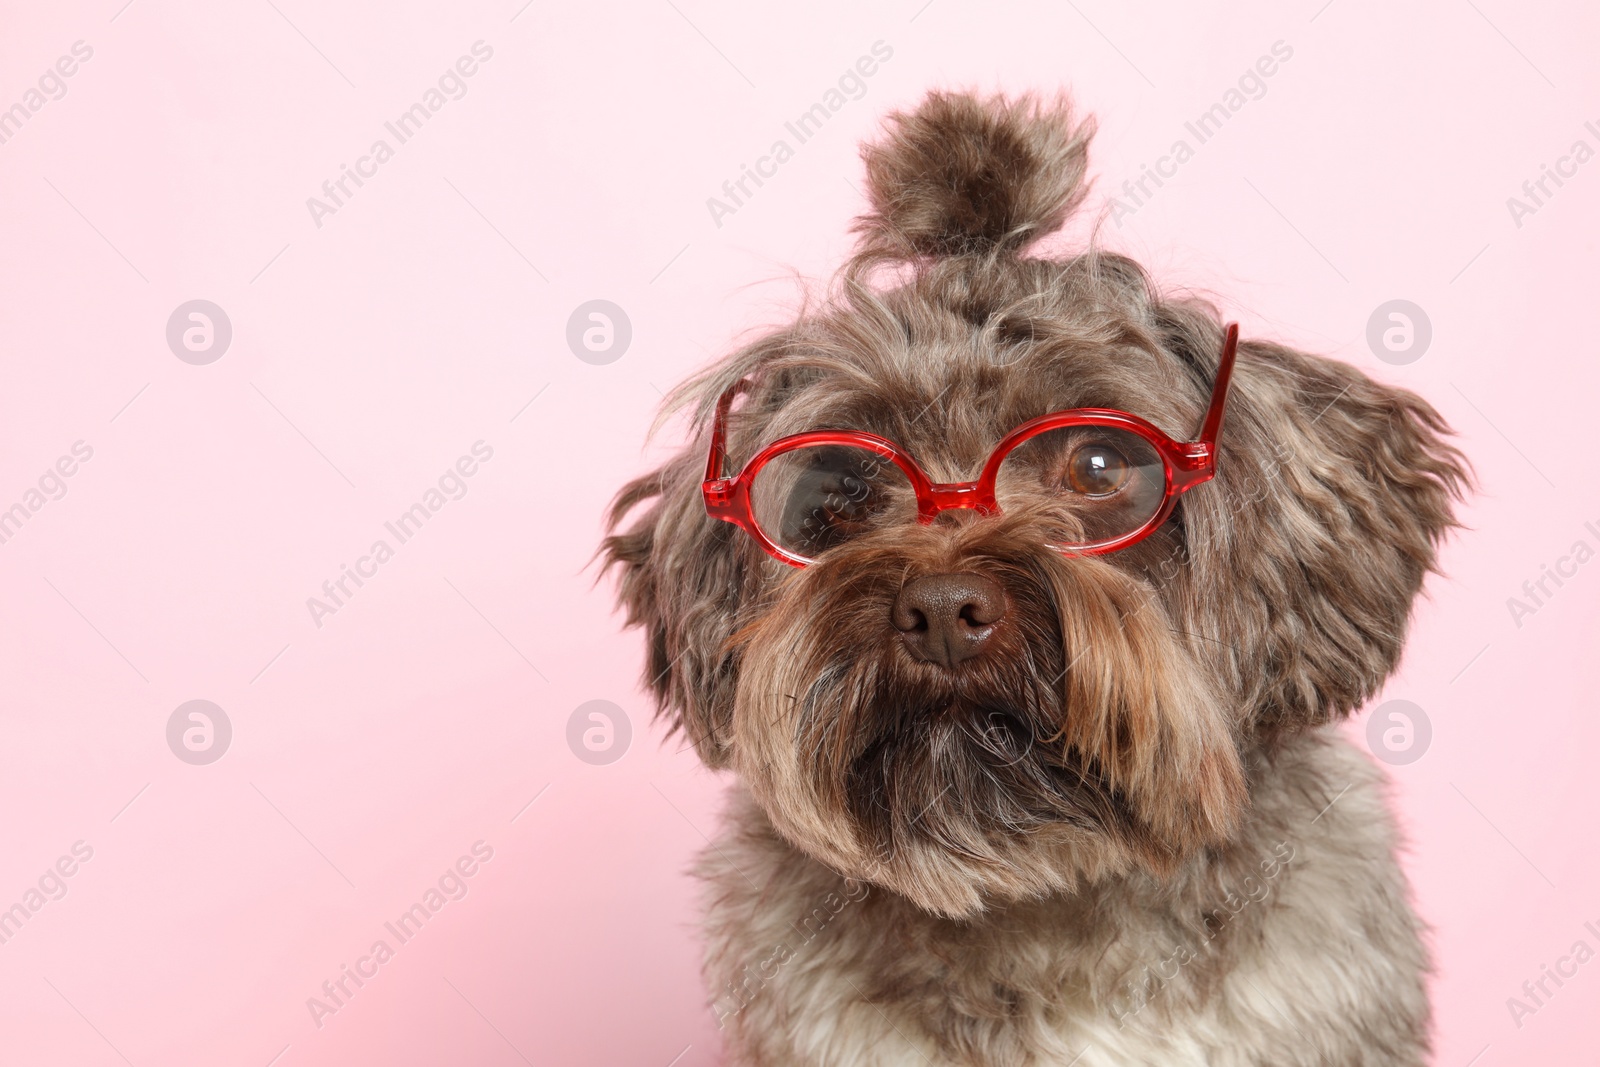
956,710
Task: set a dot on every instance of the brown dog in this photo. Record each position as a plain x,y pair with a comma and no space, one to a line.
1039,768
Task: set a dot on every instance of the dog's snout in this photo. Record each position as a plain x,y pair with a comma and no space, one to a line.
948,618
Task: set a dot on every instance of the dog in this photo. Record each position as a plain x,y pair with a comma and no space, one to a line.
1024,600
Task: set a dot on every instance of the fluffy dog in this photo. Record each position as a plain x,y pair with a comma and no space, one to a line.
1000,801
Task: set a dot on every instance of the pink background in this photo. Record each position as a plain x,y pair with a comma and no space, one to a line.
368,354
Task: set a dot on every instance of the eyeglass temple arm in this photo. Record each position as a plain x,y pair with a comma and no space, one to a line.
716,462
1219,389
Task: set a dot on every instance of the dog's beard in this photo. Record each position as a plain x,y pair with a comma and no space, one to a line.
1083,741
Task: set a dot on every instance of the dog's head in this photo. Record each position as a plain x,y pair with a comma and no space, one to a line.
956,709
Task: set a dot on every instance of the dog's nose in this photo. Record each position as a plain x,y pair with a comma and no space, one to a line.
948,618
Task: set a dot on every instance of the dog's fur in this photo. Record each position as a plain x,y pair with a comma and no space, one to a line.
1129,833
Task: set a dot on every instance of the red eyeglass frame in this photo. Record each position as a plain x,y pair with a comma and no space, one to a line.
1187,464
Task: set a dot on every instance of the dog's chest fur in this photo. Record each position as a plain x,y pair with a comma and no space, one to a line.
1294,946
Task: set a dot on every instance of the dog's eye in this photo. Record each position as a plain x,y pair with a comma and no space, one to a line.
1104,482
811,499
1097,470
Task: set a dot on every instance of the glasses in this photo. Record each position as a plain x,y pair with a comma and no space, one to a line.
1115,477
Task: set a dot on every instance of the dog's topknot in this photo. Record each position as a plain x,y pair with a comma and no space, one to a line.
967,176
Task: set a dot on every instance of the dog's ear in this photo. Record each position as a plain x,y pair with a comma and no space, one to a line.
681,584
1333,494
964,176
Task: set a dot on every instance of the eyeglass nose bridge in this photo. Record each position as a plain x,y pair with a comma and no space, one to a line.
954,496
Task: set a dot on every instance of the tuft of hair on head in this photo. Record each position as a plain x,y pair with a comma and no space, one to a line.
963,175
